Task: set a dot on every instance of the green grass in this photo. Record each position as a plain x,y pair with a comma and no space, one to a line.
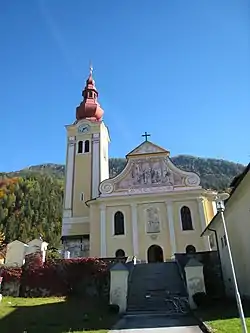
224,317
53,315
227,325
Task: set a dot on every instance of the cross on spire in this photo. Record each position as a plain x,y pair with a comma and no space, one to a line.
90,69
145,135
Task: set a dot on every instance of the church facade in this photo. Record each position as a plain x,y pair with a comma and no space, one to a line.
151,210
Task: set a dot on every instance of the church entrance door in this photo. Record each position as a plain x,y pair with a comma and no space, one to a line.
155,254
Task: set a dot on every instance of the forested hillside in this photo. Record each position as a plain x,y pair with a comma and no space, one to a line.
31,199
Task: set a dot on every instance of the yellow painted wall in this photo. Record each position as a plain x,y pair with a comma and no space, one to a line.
90,215
82,182
209,212
145,240
82,177
125,242
95,241
188,237
115,242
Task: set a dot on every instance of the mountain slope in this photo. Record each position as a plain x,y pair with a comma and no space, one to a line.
31,199
214,173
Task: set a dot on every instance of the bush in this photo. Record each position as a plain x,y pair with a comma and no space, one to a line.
114,308
11,274
60,277
201,299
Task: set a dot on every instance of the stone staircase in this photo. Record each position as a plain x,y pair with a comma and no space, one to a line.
156,287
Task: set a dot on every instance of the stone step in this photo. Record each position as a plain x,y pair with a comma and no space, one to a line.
167,306
156,294
174,289
150,286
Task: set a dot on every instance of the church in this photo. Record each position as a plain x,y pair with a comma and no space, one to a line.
151,210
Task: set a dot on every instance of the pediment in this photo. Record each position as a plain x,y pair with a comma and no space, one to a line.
147,147
149,174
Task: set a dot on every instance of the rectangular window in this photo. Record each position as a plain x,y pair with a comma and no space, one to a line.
82,196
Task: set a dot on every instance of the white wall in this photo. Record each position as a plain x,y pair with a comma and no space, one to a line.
237,216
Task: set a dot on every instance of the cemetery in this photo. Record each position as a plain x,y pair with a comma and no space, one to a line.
48,294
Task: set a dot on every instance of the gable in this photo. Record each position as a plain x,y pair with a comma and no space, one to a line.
147,147
149,174
16,243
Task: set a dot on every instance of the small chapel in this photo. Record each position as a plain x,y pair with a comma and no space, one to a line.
151,210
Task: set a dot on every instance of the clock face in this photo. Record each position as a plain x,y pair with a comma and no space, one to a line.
83,129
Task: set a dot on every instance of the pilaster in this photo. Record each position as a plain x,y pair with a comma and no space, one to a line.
69,177
214,207
203,222
103,238
134,228
95,165
169,206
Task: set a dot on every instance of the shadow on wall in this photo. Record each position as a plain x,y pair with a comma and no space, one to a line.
63,316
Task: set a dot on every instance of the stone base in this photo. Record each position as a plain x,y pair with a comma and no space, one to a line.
11,289
78,246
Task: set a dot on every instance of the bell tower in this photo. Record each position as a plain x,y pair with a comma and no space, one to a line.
87,165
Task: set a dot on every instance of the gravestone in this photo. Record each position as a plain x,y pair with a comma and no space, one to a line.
15,255
37,245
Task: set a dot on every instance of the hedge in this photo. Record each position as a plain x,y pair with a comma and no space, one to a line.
59,277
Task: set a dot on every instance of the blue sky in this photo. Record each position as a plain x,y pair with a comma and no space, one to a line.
175,68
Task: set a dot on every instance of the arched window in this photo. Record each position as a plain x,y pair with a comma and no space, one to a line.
80,147
86,146
190,249
186,218
120,253
119,223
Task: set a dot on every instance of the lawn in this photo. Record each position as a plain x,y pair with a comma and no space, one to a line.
53,315
224,317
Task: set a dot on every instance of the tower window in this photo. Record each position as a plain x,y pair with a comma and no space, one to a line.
90,94
119,223
80,147
186,218
86,146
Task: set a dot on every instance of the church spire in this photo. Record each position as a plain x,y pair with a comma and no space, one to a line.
89,108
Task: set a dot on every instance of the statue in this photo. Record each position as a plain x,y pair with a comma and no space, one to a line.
153,223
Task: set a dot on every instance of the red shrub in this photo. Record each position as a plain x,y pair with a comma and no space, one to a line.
59,277
11,274
63,276
33,261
